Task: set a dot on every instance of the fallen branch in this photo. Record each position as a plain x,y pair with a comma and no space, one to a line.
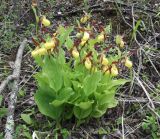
5,82
9,129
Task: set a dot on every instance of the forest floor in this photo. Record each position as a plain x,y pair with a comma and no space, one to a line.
137,115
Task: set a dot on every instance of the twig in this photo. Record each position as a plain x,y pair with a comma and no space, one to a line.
133,130
139,100
154,32
151,62
147,94
87,134
123,137
9,128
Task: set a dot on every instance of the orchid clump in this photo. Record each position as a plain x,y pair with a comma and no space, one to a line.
79,71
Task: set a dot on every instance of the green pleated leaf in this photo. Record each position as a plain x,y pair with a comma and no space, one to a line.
63,97
118,82
57,103
113,103
64,34
43,84
91,82
81,113
43,101
106,97
85,105
69,43
26,118
98,112
53,72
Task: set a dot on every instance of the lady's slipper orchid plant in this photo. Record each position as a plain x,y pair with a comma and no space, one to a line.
74,80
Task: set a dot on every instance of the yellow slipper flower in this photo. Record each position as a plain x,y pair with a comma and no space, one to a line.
45,21
88,63
75,53
85,36
128,63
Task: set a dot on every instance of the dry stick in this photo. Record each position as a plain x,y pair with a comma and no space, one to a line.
154,32
147,94
9,129
151,62
133,130
152,108
136,101
123,137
